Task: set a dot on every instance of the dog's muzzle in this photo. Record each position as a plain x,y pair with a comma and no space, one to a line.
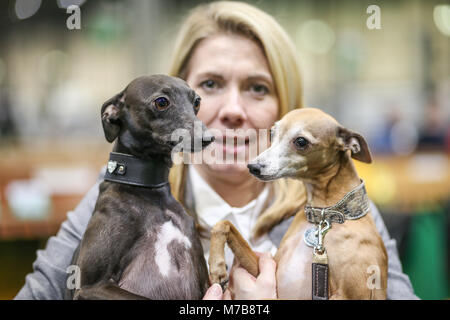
255,168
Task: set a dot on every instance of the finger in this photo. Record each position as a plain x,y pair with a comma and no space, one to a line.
267,266
267,278
214,292
258,254
243,278
226,295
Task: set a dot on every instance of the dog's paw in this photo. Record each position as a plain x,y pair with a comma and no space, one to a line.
219,274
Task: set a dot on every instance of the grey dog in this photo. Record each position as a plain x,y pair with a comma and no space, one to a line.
140,243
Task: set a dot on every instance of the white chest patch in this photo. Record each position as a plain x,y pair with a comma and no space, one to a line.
166,235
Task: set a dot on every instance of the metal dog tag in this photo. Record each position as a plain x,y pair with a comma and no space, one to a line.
112,165
310,237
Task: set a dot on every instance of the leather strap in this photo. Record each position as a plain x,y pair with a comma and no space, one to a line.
319,281
352,206
127,169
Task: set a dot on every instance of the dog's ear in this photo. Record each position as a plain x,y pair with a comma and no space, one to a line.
110,116
350,140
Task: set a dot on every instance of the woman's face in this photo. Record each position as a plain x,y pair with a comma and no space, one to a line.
232,77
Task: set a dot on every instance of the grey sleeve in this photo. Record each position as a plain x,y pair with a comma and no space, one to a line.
48,279
399,287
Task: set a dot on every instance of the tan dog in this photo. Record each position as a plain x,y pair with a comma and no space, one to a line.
310,145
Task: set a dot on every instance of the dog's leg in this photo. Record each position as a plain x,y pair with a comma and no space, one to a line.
105,291
225,232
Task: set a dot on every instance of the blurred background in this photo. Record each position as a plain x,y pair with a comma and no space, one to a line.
391,84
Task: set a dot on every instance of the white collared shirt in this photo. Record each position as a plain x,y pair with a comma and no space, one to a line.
211,208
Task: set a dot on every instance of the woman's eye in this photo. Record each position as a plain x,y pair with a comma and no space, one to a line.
208,84
259,89
301,143
161,103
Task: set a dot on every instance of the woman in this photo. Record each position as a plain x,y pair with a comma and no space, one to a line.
243,65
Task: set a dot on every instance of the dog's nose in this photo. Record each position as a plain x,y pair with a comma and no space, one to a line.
255,168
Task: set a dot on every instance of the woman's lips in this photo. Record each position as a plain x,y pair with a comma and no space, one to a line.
233,145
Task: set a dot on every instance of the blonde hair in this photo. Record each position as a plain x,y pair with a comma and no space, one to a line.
240,18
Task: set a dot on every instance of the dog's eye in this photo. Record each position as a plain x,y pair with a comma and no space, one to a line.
161,103
301,143
197,104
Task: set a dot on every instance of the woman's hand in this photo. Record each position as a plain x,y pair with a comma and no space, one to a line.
247,287
215,293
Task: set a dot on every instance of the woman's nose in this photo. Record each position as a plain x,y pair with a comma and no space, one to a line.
232,114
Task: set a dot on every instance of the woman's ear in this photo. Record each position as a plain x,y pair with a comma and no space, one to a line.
350,140
110,116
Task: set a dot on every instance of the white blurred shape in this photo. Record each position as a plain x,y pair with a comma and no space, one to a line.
66,180
429,168
26,8
69,105
350,44
52,65
316,36
67,3
28,199
441,16
404,137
